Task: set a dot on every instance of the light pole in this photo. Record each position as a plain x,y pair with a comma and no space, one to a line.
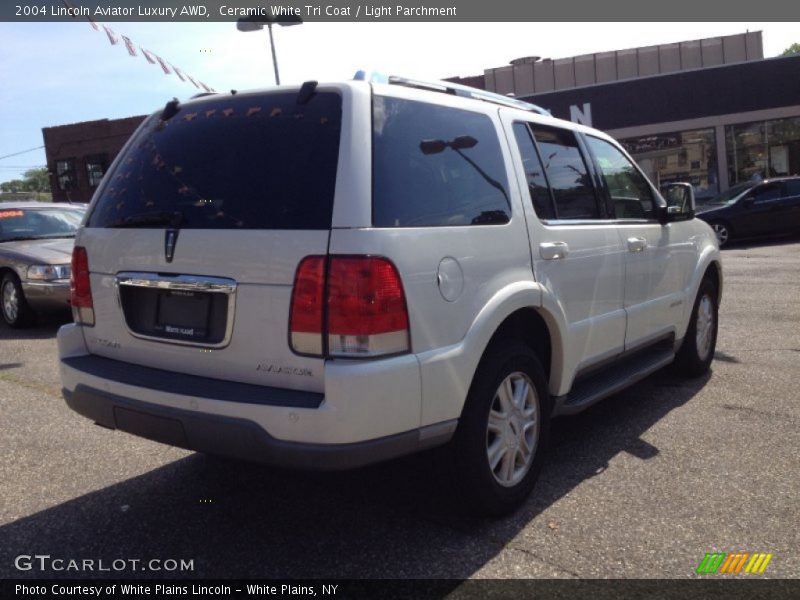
256,23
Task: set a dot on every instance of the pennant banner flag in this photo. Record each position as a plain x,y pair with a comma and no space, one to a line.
163,65
112,37
129,46
177,72
153,59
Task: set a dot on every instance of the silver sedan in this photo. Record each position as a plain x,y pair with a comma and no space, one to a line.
36,240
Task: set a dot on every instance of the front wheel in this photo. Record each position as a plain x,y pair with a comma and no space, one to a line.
12,302
697,351
723,233
502,435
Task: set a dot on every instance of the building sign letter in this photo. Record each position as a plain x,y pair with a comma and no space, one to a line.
584,117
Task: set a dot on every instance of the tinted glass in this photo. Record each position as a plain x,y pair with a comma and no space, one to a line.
534,173
435,166
237,162
31,224
630,193
765,193
566,171
792,187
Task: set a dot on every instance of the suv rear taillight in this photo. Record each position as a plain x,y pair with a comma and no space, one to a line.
357,307
80,288
308,297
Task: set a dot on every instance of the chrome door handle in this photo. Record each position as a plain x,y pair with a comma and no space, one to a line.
553,250
636,244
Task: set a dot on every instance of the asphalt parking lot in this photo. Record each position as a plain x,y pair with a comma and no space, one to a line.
642,485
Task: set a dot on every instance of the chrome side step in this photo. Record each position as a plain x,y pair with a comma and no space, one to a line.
613,379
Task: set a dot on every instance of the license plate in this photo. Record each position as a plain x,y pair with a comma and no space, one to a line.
183,314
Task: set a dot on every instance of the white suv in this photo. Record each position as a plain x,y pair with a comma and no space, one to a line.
334,275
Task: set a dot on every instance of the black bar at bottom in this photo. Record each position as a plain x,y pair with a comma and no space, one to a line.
708,587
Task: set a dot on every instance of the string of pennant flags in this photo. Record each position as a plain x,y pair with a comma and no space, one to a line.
149,56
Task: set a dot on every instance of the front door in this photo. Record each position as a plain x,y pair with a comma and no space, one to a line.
657,257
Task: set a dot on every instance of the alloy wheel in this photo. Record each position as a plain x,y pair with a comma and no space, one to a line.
704,328
512,432
10,301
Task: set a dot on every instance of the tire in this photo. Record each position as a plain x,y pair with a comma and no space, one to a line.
13,305
723,232
697,351
511,433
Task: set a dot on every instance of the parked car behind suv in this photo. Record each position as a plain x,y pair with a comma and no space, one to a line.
754,209
35,249
335,275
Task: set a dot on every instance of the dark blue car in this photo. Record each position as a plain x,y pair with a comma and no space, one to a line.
754,209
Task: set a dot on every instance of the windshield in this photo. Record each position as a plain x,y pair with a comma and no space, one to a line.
731,195
38,223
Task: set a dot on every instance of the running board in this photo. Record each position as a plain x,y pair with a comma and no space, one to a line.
613,379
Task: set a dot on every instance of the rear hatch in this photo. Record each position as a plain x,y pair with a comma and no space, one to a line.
195,235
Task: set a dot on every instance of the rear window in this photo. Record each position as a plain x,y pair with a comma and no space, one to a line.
435,166
237,162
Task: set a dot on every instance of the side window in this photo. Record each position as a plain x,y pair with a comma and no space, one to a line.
566,170
765,193
630,193
792,187
534,173
435,166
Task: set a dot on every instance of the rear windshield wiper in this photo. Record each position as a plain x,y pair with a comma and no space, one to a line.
153,219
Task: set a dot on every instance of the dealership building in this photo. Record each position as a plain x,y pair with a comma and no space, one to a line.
713,112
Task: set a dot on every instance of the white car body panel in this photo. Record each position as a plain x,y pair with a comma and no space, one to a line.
461,283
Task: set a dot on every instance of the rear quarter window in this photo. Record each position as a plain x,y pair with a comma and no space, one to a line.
435,166
234,162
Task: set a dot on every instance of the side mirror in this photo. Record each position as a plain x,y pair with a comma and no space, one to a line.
680,201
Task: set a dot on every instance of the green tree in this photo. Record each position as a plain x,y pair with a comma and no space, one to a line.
15,185
37,180
793,49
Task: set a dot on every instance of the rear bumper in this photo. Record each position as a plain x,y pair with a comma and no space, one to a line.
369,410
239,438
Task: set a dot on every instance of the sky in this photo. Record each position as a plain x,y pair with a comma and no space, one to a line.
59,73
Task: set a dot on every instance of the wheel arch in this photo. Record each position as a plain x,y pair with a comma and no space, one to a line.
516,312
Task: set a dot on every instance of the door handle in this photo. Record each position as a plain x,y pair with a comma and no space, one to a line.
636,244
553,250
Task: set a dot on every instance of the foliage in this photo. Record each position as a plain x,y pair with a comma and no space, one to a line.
35,180
793,49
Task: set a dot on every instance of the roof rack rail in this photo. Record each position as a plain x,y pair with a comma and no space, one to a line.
455,89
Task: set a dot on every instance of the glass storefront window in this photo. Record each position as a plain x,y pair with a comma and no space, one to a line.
685,156
763,149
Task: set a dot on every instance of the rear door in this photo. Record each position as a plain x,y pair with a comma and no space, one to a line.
764,210
196,232
576,251
792,193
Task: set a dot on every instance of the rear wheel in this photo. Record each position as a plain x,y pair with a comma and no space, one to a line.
502,435
697,351
12,302
723,232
